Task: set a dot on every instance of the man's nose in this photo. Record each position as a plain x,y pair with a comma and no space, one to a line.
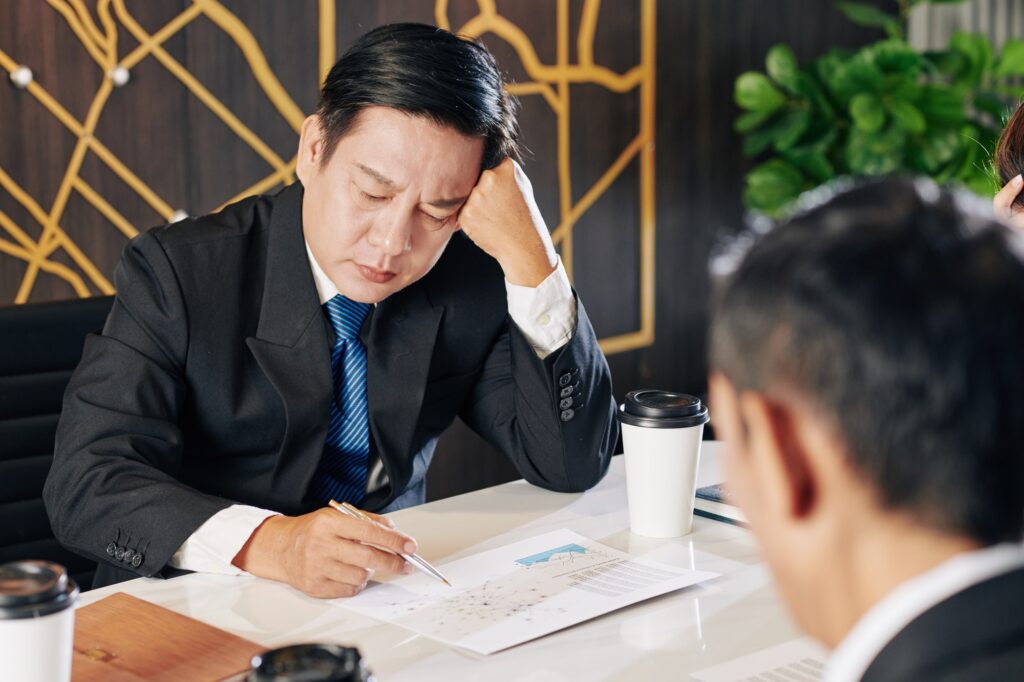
392,232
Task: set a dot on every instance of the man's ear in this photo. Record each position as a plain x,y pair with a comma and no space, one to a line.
785,464
724,409
310,148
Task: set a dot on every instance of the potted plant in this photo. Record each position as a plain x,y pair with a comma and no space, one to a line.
883,108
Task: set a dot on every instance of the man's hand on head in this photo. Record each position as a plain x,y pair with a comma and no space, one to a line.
502,218
325,554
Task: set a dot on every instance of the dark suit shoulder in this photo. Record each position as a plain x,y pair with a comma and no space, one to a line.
977,634
235,221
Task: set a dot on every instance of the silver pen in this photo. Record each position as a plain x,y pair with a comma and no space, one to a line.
414,559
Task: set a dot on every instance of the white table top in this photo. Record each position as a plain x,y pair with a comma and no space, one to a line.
663,638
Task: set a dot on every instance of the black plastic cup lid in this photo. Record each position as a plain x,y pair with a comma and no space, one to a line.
32,589
310,663
662,410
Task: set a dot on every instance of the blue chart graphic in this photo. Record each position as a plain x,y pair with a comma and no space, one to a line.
546,555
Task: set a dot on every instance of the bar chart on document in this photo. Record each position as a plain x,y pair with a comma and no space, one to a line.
512,594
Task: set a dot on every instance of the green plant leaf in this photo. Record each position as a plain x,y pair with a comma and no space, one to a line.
946,62
782,67
896,56
761,139
854,76
932,151
977,52
1011,61
942,104
869,15
812,160
905,88
867,112
758,141
807,86
907,116
756,93
751,120
772,185
793,126
875,153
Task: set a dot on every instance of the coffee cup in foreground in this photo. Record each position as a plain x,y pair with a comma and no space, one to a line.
37,621
661,436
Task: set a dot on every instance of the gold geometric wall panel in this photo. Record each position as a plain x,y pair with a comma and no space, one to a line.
99,27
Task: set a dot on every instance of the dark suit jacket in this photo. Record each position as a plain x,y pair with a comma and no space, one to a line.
976,635
210,385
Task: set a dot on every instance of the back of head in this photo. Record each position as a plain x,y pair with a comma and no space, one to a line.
1009,157
423,71
897,308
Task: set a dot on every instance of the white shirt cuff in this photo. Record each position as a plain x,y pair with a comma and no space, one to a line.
546,314
214,544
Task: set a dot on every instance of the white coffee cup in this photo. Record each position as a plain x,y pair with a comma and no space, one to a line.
661,436
37,621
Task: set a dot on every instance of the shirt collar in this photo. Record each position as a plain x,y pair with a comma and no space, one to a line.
325,288
904,604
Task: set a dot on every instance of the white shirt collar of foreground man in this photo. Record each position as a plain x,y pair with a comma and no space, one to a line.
900,607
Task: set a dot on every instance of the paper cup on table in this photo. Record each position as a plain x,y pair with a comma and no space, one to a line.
661,436
37,621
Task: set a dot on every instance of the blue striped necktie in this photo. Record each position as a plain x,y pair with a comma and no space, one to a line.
341,474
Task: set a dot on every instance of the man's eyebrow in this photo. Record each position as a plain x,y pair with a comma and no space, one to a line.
391,184
446,203
378,176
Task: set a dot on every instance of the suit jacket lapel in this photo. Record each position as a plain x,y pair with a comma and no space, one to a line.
399,339
291,347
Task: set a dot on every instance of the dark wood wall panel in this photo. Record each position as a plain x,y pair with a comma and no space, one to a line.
177,146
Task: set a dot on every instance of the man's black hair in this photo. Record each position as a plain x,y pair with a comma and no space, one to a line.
897,308
423,71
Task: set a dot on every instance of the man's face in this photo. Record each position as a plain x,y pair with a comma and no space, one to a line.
379,213
756,482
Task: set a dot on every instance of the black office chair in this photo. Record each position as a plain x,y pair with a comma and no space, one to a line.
40,345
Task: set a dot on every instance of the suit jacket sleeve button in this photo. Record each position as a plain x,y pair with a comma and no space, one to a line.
128,556
564,379
567,415
111,548
565,404
565,392
137,560
119,553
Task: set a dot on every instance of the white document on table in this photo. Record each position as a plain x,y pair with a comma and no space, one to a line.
801,660
506,596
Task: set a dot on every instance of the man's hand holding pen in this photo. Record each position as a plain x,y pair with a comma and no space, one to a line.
325,554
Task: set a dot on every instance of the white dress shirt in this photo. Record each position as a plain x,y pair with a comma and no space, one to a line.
900,607
545,314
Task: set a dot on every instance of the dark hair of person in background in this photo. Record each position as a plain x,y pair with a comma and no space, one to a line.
423,71
895,306
1010,152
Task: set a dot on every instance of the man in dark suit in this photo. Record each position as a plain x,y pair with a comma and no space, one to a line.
869,383
314,344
